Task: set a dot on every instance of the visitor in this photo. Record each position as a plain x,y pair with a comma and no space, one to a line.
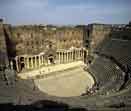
10,76
6,75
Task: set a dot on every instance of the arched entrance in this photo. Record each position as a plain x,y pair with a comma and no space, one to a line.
51,59
50,54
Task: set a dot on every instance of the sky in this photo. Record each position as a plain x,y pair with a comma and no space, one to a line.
65,12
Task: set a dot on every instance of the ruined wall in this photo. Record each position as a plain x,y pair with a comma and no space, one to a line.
36,39
28,40
68,37
98,32
123,33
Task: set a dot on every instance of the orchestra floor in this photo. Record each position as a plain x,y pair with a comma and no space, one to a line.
71,83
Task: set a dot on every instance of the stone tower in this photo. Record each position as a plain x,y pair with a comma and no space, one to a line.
4,62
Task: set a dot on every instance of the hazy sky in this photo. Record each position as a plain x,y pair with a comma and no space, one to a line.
65,11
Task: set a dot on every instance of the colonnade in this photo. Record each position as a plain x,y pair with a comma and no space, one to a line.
62,56
30,62
66,56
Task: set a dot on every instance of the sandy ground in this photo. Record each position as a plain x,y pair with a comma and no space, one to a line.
71,83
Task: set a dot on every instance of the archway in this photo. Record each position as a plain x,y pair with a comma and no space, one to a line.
51,59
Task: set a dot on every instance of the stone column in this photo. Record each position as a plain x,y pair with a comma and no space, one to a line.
39,61
45,61
35,62
67,57
82,54
27,62
11,64
59,57
75,55
32,65
79,54
17,65
58,60
64,57
42,58
72,55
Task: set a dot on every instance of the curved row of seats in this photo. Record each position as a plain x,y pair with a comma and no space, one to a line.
128,84
106,73
119,49
126,61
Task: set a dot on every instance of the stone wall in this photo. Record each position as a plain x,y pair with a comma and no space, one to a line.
35,39
98,33
32,40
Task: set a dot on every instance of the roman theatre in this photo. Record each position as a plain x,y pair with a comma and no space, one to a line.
52,56
59,73
83,66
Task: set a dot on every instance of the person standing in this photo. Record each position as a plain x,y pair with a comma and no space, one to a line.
10,76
